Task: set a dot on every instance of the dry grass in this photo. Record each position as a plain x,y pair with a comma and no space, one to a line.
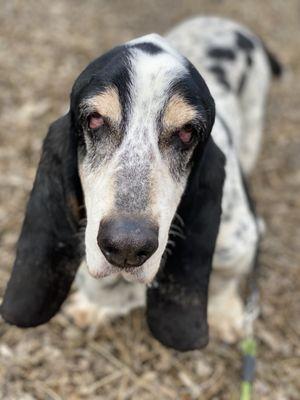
44,45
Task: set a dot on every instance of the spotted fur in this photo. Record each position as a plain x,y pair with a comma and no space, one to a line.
135,163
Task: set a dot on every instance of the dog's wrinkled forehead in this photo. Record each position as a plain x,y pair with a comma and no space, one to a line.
156,71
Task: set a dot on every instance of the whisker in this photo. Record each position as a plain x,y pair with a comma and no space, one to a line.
177,228
179,219
178,234
175,225
171,242
168,251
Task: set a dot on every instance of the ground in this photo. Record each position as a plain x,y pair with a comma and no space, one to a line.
43,47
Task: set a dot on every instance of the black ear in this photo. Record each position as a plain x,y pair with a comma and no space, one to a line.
177,299
48,250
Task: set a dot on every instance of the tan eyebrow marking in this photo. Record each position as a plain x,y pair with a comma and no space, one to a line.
178,113
107,104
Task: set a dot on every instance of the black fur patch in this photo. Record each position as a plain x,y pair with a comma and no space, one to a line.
243,42
247,46
220,75
249,60
147,48
204,101
275,65
222,53
242,83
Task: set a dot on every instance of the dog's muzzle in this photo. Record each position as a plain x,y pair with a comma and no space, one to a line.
127,242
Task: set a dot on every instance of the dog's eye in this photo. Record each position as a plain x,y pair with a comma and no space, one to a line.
186,135
95,120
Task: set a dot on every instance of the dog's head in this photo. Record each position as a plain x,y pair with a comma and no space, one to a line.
134,148
139,112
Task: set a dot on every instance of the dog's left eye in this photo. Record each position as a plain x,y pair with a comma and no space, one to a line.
186,135
95,120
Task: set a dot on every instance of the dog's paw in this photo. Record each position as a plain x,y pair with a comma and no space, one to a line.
82,312
225,316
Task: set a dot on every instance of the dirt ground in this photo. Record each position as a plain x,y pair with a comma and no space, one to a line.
43,47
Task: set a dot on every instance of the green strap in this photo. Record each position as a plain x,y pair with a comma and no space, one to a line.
246,389
248,347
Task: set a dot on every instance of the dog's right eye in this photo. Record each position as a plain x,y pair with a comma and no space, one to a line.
95,120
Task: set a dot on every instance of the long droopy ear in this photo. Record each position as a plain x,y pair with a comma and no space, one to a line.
177,299
48,250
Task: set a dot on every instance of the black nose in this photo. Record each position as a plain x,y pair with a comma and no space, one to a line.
127,242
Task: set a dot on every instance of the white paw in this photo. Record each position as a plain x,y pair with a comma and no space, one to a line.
225,316
83,313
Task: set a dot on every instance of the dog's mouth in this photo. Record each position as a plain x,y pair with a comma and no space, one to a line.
130,274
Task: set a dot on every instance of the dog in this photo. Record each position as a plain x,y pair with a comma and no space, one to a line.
151,162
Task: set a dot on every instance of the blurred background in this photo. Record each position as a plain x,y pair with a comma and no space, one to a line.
43,47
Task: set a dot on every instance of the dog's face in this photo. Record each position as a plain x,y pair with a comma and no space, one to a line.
139,116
